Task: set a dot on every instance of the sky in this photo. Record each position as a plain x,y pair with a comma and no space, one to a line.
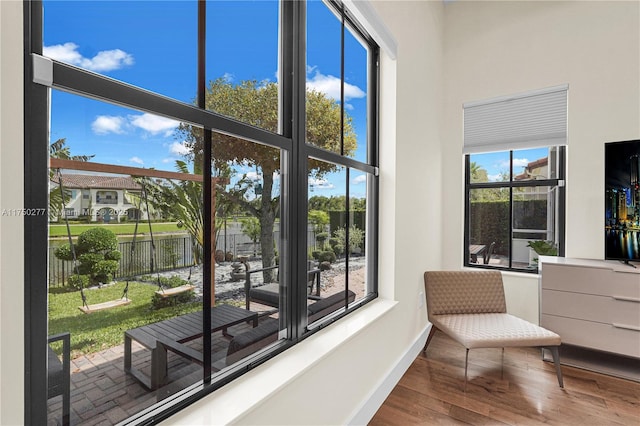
497,163
152,45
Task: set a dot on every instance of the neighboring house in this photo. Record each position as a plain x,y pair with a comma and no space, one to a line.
102,198
538,169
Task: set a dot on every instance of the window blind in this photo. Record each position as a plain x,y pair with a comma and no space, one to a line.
527,120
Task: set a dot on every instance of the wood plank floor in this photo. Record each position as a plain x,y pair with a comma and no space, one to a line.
522,391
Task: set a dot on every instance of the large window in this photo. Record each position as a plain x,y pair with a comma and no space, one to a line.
210,174
515,207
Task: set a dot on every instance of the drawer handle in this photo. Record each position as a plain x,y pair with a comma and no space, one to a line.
626,299
626,327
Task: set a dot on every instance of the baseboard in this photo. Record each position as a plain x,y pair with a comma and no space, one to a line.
368,409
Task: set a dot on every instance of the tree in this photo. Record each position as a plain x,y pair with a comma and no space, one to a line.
256,103
319,220
182,201
251,228
58,149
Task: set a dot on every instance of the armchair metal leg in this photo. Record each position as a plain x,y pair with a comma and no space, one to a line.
466,364
556,360
431,333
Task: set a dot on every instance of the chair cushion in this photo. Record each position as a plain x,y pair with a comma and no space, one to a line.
464,292
494,330
268,294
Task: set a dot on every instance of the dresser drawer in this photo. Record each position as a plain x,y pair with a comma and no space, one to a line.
604,337
597,281
590,307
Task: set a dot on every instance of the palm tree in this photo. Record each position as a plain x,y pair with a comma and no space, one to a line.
58,149
182,201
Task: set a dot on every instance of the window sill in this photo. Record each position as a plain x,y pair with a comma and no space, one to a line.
229,404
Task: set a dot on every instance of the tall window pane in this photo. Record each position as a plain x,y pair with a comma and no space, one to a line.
152,45
126,267
489,224
242,61
330,94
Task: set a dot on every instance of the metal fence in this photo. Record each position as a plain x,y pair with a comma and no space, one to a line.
171,253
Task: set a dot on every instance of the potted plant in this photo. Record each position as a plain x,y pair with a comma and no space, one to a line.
541,248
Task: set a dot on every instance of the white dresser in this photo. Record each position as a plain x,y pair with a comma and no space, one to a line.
593,304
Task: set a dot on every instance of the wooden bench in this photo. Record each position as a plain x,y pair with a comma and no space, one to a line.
171,333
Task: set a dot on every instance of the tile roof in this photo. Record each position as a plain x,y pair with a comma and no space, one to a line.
98,182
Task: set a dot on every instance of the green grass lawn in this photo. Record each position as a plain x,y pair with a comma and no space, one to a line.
60,230
104,329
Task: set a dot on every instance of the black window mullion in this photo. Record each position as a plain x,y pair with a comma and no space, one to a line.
36,163
467,208
85,83
511,209
207,198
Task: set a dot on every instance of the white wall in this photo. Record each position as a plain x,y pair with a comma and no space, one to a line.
499,48
11,227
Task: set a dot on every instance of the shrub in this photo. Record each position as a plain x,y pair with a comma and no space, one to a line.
63,252
356,238
327,256
97,253
97,240
338,249
104,270
333,241
158,302
113,255
315,254
78,281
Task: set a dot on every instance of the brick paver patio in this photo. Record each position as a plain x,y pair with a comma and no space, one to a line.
103,394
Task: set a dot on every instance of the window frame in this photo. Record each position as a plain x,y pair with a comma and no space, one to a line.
295,153
558,182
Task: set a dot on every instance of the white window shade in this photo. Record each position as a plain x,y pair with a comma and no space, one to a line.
528,120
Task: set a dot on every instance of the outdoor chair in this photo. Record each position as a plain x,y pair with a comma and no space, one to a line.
470,307
269,294
250,341
489,252
59,373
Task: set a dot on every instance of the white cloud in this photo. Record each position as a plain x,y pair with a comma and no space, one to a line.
154,124
178,148
253,176
136,160
495,178
330,86
359,179
104,124
320,184
520,162
105,60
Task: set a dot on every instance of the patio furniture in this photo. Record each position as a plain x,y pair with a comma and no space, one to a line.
269,294
489,252
470,307
59,373
250,341
172,333
475,250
